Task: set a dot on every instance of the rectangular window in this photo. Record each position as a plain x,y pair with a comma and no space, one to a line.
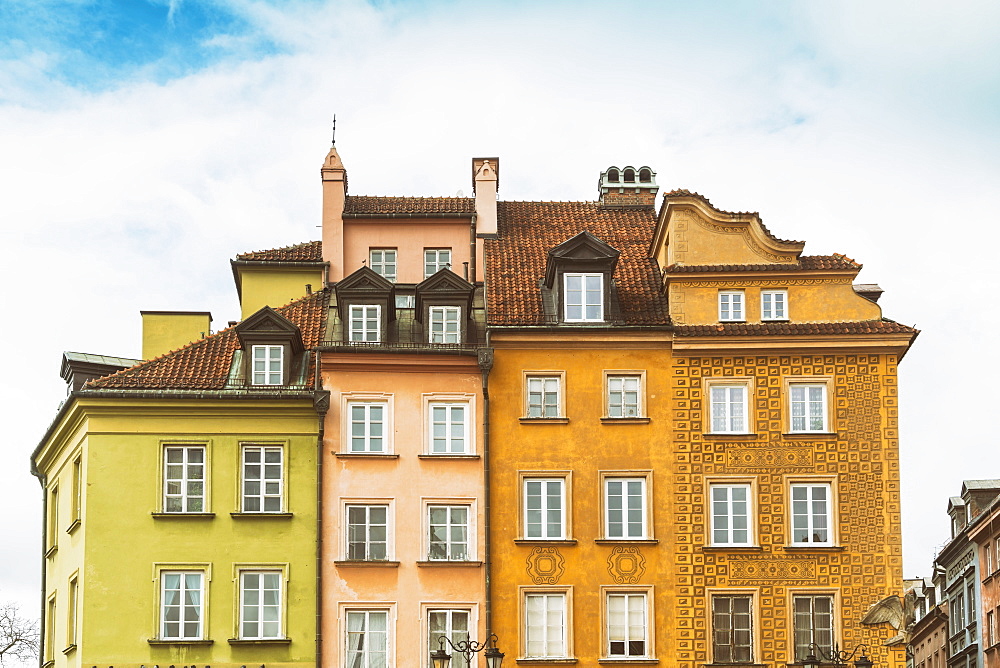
436,259
366,323
811,509
957,616
77,489
624,397
774,305
182,605
368,532
583,295
268,365
449,533
732,629
543,397
50,630
545,508
446,324
807,407
627,631
729,408
53,518
263,478
367,427
970,601
731,306
813,623
625,508
449,428
991,628
184,479
367,638
987,559
731,515
260,605
545,625
72,612
453,625
383,262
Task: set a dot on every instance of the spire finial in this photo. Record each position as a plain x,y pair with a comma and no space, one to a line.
333,138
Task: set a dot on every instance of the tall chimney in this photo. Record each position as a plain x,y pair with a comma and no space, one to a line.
628,188
485,184
334,196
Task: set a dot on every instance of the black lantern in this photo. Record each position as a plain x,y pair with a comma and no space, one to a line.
468,648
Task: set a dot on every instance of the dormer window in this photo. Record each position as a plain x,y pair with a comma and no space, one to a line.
443,307
583,297
268,365
436,259
366,322
445,324
366,306
271,353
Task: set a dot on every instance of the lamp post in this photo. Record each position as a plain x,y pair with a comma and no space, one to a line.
836,656
468,648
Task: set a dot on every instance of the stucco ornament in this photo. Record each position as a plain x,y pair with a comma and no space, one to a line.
545,565
626,564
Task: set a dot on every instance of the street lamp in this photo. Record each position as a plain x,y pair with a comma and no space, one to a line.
836,656
468,648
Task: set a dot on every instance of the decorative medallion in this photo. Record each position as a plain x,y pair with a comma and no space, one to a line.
751,570
545,565
626,564
762,460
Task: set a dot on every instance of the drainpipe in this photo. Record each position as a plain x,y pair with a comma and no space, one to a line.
45,560
472,248
322,405
485,359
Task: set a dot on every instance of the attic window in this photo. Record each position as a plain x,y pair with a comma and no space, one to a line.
629,176
613,176
268,365
645,176
583,297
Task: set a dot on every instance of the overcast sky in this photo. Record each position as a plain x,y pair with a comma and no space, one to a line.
143,144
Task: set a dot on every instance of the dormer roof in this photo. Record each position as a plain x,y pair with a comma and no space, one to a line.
267,326
585,250
443,285
365,283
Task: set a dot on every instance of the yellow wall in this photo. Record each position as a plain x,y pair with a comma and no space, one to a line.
164,331
274,287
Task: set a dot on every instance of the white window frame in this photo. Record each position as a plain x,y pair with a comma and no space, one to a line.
440,259
609,632
752,614
801,409
616,502
732,306
812,629
369,316
368,542
430,505
449,610
585,301
616,392
279,607
52,530
541,383
367,401
562,479
72,611
730,515
268,488
773,305
435,402
729,406
351,612
183,571
267,374
810,515
382,262
562,636
441,316
186,480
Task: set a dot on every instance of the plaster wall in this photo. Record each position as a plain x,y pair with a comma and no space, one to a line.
164,331
410,237
274,287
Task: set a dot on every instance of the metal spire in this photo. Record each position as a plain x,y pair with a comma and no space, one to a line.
333,141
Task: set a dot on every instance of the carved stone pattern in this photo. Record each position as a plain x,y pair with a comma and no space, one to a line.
626,564
864,457
763,460
545,565
747,237
764,283
746,570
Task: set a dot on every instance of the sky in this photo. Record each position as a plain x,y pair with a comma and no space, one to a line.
144,143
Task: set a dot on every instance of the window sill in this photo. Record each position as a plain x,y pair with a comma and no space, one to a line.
260,641
365,455
625,541
813,548
730,434
624,420
546,661
810,434
51,551
73,527
445,564
544,541
731,548
179,641
446,455
262,516
366,563
49,663
544,420
182,516
623,659
69,650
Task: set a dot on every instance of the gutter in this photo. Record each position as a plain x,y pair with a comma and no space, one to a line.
441,214
45,515
486,364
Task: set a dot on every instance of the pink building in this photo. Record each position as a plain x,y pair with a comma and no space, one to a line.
984,531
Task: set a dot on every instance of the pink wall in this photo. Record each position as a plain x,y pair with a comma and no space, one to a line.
410,237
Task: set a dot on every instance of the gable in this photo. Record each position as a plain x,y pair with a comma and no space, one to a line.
583,252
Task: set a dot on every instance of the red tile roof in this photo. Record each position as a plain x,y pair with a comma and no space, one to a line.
516,259
204,364
363,204
310,251
680,192
806,263
883,326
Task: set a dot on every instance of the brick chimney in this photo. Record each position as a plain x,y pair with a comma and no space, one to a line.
628,188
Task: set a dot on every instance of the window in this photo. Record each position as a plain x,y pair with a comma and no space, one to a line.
260,605
545,508
807,407
436,259
50,630
449,533
732,629
543,397
731,306
367,427
970,601
77,490
811,505
624,396
368,533
449,428
625,508
453,625
72,611
182,605
996,551
367,638
268,365
184,479
383,262
545,618
446,324
991,629
957,616
813,623
729,412
583,295
773,305
366,321
987,559
627,625
731,515
263,478
53,518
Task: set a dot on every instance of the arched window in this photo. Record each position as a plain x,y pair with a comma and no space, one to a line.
629,176
645,176
612,176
